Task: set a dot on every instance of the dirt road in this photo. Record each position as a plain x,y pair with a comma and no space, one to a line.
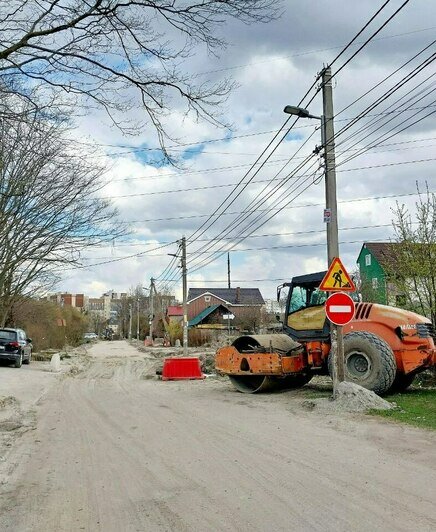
112,451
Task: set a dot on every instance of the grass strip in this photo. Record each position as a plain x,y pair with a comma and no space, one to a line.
415,407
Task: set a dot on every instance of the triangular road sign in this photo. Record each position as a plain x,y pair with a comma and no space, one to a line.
337,278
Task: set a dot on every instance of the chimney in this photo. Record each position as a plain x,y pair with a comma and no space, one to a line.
238,295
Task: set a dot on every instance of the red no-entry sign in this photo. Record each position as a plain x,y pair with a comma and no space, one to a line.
340,308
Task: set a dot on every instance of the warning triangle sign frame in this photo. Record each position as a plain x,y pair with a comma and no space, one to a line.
334,283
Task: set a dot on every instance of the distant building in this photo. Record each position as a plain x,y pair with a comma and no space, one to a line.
174,313
69,300
115,295
272,306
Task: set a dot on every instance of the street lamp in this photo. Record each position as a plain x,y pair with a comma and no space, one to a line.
300,112
327,141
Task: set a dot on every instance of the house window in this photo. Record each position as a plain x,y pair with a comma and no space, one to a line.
375,283
368,260
207,299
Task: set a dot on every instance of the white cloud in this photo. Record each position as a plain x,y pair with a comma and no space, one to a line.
277,72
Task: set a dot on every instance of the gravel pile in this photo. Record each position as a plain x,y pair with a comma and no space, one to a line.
350,398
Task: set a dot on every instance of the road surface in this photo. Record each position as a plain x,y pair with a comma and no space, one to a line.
110,450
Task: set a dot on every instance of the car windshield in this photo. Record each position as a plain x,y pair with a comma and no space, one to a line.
7,335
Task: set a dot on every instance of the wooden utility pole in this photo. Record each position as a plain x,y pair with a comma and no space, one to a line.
337,343
228,269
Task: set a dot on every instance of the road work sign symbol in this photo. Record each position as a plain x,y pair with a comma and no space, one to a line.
337,279
340,308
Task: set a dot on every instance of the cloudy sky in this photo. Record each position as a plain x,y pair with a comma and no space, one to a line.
282,207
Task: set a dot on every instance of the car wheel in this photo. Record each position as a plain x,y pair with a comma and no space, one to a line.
19,360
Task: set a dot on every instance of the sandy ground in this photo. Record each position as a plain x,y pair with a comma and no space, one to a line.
108,449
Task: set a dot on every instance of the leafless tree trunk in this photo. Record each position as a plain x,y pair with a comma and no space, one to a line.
49,210
95,52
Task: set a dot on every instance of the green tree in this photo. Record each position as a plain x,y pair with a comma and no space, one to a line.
411,269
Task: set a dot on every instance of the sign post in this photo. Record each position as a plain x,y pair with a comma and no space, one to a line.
340,308
228,317
337,280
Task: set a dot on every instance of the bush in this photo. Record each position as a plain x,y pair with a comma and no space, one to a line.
175,331
198,337
44,322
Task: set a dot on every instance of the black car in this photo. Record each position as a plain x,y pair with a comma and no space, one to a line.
15,346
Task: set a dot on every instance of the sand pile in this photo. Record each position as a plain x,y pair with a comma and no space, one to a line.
350,398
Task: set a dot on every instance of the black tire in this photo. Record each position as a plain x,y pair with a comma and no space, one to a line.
369,361
401,382
263,383
19,361
27,360
295,381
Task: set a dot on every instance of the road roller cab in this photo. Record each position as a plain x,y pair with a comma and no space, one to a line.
385,347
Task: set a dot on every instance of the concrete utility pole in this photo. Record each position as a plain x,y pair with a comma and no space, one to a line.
137,320
185,298
151,305
332,206
130,322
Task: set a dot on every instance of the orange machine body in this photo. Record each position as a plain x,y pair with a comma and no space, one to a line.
405,332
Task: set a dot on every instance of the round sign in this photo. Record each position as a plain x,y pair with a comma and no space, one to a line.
340,308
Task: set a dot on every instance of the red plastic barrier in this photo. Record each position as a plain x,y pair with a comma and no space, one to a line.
181,368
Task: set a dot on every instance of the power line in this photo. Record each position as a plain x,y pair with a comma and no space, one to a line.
366,42
374,126
287,247
211,218
358,35
150,220
120,258
208,187
403,5
266,235
387,94
241,236
309,52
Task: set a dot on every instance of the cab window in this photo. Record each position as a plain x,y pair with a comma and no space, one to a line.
306,297
298,299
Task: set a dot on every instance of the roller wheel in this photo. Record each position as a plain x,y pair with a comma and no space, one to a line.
262,383
369,361
401,382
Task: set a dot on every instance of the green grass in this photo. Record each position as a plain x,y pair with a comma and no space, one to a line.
415,407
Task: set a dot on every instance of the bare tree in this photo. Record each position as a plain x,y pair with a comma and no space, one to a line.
97,50
412,260
49,208
249,319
